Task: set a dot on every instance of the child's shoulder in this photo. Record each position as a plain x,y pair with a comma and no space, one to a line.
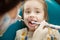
22,30
54,31
21,33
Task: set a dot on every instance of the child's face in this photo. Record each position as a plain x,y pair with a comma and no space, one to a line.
33,11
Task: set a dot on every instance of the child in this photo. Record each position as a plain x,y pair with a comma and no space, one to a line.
36,11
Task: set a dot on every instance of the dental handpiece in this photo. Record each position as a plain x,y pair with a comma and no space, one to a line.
20,18
49,25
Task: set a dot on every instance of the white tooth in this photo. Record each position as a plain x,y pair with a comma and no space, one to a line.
32,22
35,22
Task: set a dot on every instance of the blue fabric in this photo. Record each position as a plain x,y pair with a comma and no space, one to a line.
54,18
11,31
53,12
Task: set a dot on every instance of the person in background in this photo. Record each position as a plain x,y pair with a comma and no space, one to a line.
36,11
8,13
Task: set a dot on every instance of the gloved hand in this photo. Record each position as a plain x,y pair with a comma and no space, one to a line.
41,32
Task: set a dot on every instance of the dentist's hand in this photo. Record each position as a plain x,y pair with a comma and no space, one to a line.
41,32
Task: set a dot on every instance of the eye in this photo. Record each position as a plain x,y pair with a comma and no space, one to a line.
37,11
27,11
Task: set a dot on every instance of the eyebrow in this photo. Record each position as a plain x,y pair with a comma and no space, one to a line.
37,8
27,9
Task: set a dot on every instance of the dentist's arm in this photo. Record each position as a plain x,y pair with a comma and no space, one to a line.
40,33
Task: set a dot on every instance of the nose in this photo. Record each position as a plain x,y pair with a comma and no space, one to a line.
32,15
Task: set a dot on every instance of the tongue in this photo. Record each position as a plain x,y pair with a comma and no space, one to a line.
31,24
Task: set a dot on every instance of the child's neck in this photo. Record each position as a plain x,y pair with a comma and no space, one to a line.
30,30
30,33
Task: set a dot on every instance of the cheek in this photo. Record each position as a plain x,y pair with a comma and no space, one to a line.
24,16
40,17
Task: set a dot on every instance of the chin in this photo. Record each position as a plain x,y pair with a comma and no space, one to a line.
31,29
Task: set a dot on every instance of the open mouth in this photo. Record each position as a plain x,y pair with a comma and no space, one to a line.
32,24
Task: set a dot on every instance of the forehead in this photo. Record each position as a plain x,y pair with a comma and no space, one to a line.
33,4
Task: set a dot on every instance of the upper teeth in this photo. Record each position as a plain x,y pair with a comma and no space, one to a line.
32,21
35,22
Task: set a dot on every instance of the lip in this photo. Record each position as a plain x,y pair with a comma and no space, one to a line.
31,24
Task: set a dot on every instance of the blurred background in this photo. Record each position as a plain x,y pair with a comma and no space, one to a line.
53,11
